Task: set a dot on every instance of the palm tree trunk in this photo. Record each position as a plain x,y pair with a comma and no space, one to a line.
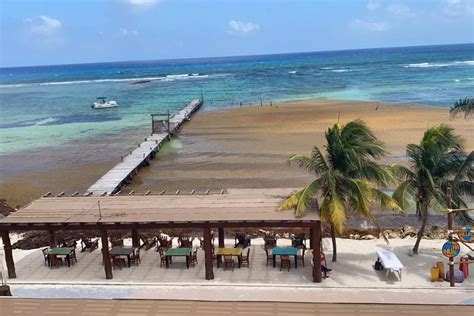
421,231
334,247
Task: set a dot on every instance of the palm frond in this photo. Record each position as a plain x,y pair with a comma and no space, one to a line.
337,212
465,106
404,192
377,173
306,196
358,193
291,202
385,200
303,162
402,172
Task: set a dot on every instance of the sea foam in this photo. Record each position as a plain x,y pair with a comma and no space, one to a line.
447,64
60,83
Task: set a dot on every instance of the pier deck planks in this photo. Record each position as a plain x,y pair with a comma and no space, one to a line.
113,180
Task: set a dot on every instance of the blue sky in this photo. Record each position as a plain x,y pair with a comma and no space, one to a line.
38,32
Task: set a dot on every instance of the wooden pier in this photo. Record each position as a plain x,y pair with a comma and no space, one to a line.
122,173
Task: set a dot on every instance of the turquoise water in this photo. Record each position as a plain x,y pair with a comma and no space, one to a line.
48,106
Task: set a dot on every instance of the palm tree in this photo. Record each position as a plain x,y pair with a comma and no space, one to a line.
346,176
437,163
465,106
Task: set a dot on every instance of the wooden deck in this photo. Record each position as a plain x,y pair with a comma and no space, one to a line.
54,306
123,172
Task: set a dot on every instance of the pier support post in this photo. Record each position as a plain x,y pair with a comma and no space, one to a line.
316,237
52,238
208,254
7,247
135,238
105,254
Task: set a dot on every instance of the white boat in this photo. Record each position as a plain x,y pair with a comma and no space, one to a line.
102,103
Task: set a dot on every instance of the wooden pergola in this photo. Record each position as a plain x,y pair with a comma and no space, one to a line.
238,208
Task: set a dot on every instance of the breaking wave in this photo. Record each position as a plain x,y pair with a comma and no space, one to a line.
447,64
138,79
341,70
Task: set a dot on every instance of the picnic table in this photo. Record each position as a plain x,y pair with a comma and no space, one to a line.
390,262
234,252
122,251
60,251
285,251
177,252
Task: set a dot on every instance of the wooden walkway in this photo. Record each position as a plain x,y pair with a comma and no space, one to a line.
55,306
122,173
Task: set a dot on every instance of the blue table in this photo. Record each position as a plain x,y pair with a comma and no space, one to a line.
285,251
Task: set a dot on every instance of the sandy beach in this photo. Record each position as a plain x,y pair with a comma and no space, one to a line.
234,148
249,147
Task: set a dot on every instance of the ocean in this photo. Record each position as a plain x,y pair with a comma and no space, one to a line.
47,106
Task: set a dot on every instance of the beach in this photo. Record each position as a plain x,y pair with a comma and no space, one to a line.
243,147
249,147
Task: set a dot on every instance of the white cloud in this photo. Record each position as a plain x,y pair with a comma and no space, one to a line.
43,25
237,27
375,26
126,32
137,6
456,8
400,10
373,5
142,3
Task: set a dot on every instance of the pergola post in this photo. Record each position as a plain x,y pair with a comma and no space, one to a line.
221,238
105,254
135,238
316,238
7,247
311,238
208,254
52,238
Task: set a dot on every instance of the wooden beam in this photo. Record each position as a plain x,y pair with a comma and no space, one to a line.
7,247
208,254
52,238
221,238
135,238
105,254
311,238
155,225
316,237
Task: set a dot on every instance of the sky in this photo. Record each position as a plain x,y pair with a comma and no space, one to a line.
44,32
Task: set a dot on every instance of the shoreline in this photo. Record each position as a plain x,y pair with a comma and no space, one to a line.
218,148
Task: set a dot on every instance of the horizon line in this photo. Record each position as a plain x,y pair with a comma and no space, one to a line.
232,56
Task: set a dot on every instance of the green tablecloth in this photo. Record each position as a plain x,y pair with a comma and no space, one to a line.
121,251
60,251
284,251
178,252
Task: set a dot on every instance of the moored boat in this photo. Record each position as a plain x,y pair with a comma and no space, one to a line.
103,103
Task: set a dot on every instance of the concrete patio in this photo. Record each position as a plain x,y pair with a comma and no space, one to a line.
354,268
